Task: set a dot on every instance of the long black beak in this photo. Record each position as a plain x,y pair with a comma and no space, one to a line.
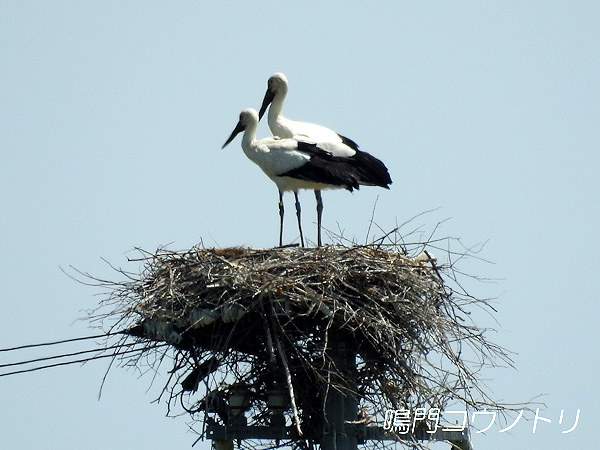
269,96
238,129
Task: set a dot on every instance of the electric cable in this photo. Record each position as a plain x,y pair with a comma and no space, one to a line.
20,347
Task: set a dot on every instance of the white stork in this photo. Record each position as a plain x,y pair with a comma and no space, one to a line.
372,172
293,164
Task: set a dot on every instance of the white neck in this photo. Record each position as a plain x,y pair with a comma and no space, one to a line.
249,137
277,122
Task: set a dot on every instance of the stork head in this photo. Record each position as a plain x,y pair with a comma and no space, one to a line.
277,84
248,119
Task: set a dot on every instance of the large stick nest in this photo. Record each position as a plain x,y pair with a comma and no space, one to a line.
267,319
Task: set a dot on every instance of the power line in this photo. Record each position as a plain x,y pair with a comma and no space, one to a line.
65,363
20,347
64,355
121,348
83,360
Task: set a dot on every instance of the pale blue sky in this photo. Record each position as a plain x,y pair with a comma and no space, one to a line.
113,113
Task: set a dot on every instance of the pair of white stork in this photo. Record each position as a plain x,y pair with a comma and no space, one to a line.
304,155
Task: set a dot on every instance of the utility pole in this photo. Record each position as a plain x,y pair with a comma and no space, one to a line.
340,407
341,429
297,341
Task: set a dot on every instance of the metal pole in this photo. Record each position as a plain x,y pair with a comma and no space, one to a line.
340,405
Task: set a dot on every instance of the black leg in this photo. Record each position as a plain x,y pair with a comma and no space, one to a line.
319,215
280,218
299,219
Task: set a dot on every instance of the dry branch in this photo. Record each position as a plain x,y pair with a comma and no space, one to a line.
263,318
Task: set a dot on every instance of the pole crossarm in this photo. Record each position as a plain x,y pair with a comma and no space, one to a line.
222,432
460,439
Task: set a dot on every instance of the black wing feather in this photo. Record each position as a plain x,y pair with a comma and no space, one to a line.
323,167
349,142
372,170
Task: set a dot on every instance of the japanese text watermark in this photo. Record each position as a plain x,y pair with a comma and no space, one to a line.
404,421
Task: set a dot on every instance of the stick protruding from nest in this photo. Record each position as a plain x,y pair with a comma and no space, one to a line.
264,318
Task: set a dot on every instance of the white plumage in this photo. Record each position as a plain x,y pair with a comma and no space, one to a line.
277,89
372,172
293,164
